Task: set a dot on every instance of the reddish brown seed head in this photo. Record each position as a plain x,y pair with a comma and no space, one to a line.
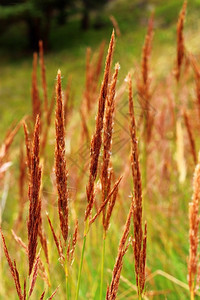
122,249
180,41
12,267
60,161
194,230
34,196
36,105
43,75
139,244
97,137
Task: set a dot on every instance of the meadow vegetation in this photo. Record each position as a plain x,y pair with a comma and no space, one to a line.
98,197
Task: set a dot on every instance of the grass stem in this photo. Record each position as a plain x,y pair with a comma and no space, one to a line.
192,297
67,287
67,281
102,266
80,267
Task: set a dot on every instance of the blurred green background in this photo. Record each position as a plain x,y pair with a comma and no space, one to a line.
67,29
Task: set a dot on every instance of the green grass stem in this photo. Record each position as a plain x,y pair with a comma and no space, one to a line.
102,266
80,268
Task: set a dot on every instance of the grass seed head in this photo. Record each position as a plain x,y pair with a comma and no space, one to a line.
194,230
34,196
180,41
60,161
43,76
97,138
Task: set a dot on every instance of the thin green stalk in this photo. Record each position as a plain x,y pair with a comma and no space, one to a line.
80,267
102,266
67,288
192,290
67,280
48,275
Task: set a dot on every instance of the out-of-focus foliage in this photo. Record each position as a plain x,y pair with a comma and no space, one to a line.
38,15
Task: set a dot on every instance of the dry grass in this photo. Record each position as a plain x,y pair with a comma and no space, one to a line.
102,184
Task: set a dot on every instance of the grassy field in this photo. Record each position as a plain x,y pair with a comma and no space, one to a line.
165,197
68,48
